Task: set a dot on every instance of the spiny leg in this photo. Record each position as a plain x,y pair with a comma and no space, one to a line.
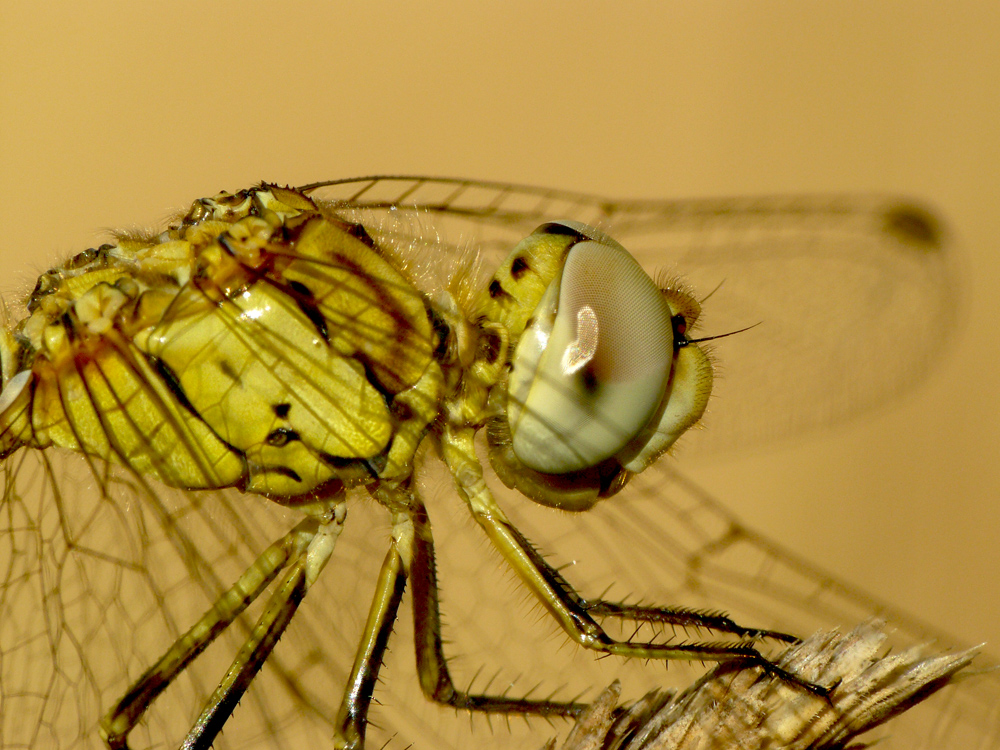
304,550
352,719
680,617
432,667
570,610
411,556
120,720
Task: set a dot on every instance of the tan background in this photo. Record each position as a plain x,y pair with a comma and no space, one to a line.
111,118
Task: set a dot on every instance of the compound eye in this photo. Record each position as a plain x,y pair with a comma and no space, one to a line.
591,370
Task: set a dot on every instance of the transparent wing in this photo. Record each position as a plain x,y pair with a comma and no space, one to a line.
98,585
683,545
100,571
849,298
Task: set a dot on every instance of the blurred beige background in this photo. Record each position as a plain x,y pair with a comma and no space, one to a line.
113,116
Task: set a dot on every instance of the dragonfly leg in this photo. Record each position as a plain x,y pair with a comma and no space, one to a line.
432,666
284,602
120,720
680,617
570,610
304,551
352,718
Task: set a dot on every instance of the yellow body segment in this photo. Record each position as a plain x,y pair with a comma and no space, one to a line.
259,343
110,404
523,278
372,312
252,389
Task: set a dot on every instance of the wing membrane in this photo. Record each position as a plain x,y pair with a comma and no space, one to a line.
103,569
849,298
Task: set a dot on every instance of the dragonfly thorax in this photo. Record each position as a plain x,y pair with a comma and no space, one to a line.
269,344
263,343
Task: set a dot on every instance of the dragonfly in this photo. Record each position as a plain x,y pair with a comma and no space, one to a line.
226,444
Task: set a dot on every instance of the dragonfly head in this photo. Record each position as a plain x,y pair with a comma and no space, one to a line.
603,378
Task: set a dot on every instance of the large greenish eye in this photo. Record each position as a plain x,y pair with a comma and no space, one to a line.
591,370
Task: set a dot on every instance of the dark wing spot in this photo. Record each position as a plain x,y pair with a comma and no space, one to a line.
914,226
281,410
518,268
